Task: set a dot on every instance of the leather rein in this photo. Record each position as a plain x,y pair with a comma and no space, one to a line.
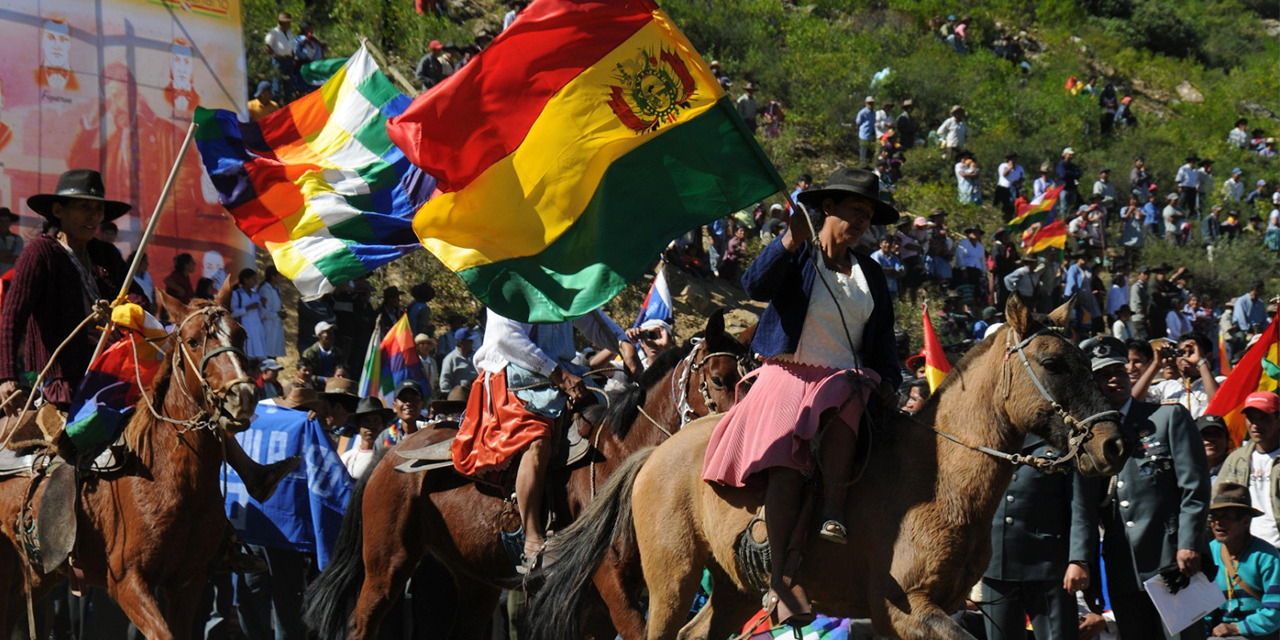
1080,430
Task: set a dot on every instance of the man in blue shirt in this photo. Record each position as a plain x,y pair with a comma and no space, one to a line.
1188,180
1079,282
866,122
1151,216
1250,308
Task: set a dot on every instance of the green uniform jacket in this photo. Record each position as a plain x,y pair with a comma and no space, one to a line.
1044,522
1238,467
1161,497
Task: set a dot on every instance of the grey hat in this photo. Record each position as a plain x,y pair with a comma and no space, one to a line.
1104,351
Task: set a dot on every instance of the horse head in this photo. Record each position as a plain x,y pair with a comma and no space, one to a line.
1047,388
720,362
207,362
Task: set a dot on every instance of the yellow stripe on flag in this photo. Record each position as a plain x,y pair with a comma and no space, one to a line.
522,203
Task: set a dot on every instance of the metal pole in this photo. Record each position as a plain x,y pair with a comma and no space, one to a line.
150,230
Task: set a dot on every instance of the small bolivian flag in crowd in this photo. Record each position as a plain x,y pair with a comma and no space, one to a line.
936,366
318,184
1246,377
571,151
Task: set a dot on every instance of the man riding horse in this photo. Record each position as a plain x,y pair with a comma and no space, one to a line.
55,286
527,380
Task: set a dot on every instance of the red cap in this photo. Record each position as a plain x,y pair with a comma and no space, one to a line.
435,45
1264,401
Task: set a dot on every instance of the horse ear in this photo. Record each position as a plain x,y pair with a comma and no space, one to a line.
1017,314
715,325
1060,316
223,299
174,306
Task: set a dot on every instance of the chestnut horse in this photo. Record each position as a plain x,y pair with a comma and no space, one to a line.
158,522
920,516
394,519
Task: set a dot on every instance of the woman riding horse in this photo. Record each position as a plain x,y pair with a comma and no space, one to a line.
827,339
55,285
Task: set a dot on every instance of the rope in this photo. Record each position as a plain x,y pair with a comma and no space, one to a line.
655,422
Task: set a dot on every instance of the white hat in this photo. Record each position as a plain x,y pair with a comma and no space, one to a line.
270,365
870,99
992,329
323,326
655,324
1068,150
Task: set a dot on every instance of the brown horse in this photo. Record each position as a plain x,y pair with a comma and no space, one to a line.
920,526
159,521
394,519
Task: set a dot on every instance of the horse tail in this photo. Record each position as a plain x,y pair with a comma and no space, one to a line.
579,550
331,597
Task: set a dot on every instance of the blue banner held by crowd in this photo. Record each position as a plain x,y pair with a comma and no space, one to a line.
305,513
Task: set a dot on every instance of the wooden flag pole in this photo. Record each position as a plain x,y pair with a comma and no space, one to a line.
150,230
404,83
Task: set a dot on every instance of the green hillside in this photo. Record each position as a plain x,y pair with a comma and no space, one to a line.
1192,68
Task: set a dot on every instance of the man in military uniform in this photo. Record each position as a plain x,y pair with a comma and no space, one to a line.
1154,512
1043,538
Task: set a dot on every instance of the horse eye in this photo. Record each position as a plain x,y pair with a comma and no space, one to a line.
193,343
1057,365
717,382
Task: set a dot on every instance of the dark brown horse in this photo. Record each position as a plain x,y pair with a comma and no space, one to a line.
394,519
920,531
157,522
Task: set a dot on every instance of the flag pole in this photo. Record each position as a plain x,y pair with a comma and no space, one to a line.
150,230
382,61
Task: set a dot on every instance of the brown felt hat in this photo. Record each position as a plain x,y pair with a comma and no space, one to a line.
302,399
1233,496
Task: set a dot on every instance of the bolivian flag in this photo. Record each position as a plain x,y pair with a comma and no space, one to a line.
1248,376
936,366
571,151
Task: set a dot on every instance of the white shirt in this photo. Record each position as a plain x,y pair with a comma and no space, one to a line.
356,460
280,42
541,348
1175,392
148,288
1015,174
953,133
1233,190
1263,526
1120,330
823,340
1117,296
1188,177
970,255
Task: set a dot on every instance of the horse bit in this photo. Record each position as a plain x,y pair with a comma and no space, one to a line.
1080,430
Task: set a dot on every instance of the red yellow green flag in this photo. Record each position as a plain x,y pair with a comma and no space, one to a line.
1246,377
936,366
571,151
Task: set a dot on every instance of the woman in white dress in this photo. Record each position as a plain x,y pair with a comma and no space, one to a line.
272,313
246,308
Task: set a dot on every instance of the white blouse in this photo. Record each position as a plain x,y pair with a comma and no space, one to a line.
823,340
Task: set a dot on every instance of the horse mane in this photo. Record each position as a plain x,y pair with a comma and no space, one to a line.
624,410
137,433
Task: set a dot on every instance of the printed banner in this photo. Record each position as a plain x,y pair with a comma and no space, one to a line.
111,85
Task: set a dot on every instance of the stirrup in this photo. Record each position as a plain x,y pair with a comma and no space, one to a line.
833,531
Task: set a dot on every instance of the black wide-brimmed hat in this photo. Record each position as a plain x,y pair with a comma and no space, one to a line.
849,181
78,184
7,216
372,407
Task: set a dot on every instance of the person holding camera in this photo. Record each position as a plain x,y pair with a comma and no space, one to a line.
653,336
1188,377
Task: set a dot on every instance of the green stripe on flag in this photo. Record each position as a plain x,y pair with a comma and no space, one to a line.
688,176
341,266
354,229
373,135
378,89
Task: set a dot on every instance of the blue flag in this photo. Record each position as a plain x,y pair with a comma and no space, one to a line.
305,513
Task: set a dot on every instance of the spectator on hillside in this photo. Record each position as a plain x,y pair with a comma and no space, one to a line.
865,121
272,312
1131,223
1140,180
720,75
307,47
278,44
887,257
1151,218
953,133
773,119
1109,102
420,309
1268,149
1251,308
246,308
906,125
1239,137
1125,117
1023,280
1044,183
968,188
1009,182
1188,182
1205,186
884,118
510,16
912,234
1260,196
1233,188
971,261
1173,218
1102,188
1069,175
323,357
390,310
431,67
1004,259
747,108
458,370
1122,328
1140,302
1078,282
1211,226
263,103
803,183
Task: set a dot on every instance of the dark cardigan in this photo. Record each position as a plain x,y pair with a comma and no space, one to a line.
44,303
785,280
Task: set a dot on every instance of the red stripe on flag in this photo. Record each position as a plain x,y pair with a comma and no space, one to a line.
1245,378
482,113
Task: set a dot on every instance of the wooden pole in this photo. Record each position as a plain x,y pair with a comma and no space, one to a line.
404,83
150,230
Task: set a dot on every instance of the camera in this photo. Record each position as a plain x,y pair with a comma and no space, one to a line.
1168,351
649,334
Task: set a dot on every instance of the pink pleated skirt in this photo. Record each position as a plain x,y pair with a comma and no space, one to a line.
774,424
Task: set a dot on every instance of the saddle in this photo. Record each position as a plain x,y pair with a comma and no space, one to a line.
570,445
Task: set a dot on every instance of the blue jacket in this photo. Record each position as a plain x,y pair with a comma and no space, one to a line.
785,280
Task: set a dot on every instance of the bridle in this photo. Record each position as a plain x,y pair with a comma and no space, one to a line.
683,372
1080,430
181,357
